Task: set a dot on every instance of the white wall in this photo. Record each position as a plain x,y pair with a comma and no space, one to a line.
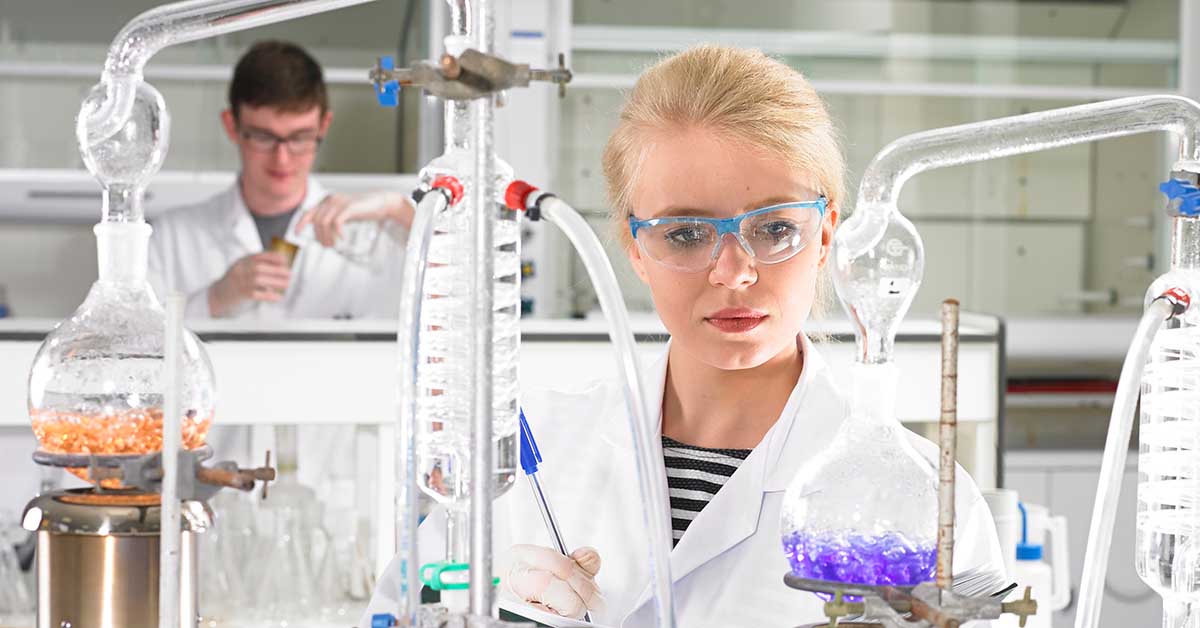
1059,223
46,268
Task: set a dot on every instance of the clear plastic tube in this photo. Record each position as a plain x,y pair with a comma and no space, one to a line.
647,448
407,505
1120,427
878,258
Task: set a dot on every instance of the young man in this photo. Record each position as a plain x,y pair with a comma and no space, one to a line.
218,253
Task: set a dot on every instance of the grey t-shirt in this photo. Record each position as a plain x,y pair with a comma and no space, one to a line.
272,226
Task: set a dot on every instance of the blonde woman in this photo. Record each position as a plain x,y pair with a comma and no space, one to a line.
726,178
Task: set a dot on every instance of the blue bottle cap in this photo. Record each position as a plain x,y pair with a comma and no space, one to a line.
1025,549
383,620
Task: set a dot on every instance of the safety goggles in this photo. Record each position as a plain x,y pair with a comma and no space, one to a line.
691,244
303,143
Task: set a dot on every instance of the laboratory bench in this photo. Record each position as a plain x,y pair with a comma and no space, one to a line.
338,379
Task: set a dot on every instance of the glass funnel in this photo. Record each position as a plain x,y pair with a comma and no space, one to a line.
864,511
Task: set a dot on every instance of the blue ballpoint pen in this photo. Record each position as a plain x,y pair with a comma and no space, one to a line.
530,457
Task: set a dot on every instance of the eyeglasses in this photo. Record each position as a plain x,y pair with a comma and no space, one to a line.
691,244
302,143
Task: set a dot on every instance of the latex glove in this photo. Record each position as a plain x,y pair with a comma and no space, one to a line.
335,210
258,277
559,584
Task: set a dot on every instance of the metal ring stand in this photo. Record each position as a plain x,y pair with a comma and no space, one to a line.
102,461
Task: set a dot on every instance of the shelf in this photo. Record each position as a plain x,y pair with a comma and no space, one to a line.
594,80
73,196
867,45
886,46
1059,400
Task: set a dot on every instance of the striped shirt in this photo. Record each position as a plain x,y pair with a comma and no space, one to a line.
694,475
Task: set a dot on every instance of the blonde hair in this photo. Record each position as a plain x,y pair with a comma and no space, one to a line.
741,95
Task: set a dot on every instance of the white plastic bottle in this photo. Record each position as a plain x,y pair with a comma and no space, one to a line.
1050,582
1003,504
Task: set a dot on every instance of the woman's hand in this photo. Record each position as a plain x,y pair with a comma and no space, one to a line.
564,585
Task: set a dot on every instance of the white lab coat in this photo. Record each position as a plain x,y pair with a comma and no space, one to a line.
193,246
728,568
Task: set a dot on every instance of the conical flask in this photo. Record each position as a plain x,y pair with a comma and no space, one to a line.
864,511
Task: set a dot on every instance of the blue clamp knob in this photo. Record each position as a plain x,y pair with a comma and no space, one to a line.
383,620
530,456
388,92
1188,195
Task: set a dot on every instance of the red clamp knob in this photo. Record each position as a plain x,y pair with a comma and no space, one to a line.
515,195
1179,295
451,185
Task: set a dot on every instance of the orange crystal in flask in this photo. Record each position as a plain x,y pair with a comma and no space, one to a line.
130,432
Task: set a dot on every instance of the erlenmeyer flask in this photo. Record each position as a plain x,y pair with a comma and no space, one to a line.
289,529
864,511
227,562
286,592
18,604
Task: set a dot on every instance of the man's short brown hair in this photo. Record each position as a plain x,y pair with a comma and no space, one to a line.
278,74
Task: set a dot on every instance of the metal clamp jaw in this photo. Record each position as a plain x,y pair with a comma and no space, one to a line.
196,481
471,75
922,606
201,483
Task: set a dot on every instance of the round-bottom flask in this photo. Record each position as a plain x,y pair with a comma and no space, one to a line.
864,511
96,385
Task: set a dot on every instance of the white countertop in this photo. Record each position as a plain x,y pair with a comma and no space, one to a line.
643,323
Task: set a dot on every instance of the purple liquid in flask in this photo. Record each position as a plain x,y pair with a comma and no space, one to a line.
888,559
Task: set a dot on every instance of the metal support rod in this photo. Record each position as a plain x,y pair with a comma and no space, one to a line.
483,203
170,529
460,16
947,433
